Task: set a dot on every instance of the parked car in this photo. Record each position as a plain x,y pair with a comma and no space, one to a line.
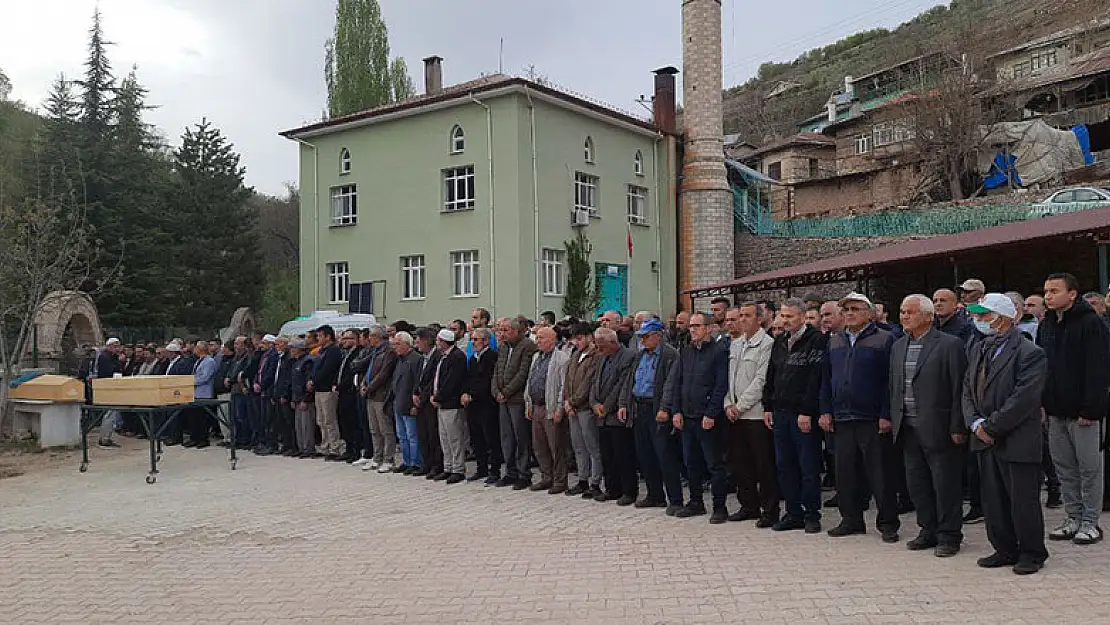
1070,200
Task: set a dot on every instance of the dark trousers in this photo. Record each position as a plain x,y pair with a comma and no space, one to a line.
863,438
196,423
485,436
704,450
284,425
972,483
427,438
751,460
241,412
1012,506
799,466
257,425
365,443
934,478
643,430
349,429
1047,466
618,459
668,449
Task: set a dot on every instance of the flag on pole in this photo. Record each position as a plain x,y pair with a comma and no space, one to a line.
630,239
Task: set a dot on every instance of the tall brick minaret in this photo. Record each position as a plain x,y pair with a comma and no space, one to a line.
705,234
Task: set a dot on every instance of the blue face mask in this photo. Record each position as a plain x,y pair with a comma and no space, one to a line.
984,328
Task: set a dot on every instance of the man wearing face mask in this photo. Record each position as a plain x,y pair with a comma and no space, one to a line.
1002,390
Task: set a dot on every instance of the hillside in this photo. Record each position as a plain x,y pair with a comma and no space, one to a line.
17,128
974,27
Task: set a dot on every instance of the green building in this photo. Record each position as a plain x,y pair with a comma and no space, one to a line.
463,197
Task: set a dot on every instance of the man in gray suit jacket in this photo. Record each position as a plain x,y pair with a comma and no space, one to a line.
1001,405
641,401
618,448
926,381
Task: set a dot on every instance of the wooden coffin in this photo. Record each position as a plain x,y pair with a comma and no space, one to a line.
143,390
56,388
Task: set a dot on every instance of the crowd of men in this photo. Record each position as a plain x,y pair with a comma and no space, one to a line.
972,394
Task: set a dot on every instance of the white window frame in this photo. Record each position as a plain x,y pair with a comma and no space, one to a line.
344,162
863,144
339,282
456,180
413,280
586,195
458,140
344,205
638,163
882,134
553,261
466,273
588,150
637,205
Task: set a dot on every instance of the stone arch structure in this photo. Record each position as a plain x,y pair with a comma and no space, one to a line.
66,321
243,322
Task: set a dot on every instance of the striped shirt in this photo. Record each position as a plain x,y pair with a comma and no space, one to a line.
909,404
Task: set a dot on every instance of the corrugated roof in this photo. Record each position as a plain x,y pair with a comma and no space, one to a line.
803,138
866,263
1090,64
1078,29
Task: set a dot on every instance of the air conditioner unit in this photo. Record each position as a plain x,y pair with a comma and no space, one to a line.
580,217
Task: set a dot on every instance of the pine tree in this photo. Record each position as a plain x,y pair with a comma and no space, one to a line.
219,264
582,296
357,69
58,140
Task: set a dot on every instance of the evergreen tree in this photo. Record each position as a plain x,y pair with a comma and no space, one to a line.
218,263
58,138
582,296
357,69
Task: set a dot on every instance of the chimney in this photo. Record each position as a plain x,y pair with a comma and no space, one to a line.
433,75
849,86
663,104
830,106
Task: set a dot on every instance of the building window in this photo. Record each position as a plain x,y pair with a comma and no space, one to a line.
412,277
904,131
637,205
1021,69
589,150
814,168
339,278
553,272
464,273
883,134
638,163
344,161
1044,59
585,193
458,188
458,140
774,170
863,144
344,205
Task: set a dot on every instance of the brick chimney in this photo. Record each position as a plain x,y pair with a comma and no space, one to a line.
433,75
663,104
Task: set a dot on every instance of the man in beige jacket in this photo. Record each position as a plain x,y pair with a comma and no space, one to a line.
750,446
543,406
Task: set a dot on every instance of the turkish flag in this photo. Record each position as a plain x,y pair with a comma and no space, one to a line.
630,241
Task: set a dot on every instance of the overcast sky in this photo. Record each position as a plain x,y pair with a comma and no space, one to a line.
254,67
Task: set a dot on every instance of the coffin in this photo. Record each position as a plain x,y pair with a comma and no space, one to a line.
56,388
143,390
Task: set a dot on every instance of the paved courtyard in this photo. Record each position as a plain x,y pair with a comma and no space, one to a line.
301,541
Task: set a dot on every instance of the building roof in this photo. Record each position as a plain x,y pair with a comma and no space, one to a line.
800,139
450,95
1060,35
868,263
748,173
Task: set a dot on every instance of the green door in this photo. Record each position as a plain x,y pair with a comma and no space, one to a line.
612,283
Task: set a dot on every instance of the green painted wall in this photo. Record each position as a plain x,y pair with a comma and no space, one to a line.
397,167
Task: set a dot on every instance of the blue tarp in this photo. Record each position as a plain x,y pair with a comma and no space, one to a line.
26,377
1084,137
1003,171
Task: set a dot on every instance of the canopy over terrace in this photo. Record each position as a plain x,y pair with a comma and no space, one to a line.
902,257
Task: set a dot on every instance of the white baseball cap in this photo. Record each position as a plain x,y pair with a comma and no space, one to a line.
446,335
994,303
856,297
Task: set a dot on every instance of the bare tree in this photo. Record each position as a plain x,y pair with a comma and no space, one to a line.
46,247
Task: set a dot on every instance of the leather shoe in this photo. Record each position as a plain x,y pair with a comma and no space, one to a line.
720,515
505,481
946,550
673,510
595,492
922,542
648,502
787,524
420,473
846,530
521,484
1027,567
188,444
454,478
767,520
540,485
492,480
813,527
578,489
690,510
626,500
974,515
439,477
557,489
744,514
996,560
480,475
603,496
890,536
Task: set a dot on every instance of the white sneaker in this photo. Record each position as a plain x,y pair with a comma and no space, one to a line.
1088,534
373,464
386,468
360,462
1066,531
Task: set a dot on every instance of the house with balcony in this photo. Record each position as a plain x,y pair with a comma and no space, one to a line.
461,197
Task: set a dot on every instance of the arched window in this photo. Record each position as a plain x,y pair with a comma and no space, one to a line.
589,150
458,140
344,161
638,163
